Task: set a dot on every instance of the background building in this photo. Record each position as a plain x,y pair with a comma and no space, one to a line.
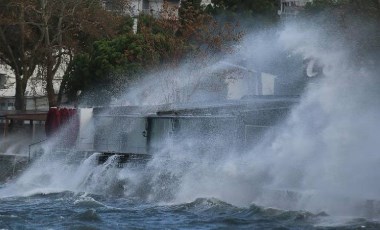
35,95
136,7
291,8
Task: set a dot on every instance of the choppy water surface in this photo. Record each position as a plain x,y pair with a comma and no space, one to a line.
67,210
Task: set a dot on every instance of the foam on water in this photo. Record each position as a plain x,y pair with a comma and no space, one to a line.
88,202
327,150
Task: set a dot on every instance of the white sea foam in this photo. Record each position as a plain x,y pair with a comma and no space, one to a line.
327,151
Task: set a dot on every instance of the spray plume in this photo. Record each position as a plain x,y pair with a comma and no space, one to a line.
327,150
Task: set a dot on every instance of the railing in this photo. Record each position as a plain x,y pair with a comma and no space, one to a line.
33,144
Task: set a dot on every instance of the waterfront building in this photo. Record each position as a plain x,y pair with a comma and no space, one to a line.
152,7
291,8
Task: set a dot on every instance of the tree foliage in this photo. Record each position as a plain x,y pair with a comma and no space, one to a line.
39,33
364,6
163,41
247,7
248,13
356,22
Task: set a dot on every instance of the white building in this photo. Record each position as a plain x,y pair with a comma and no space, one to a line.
35,95
153,7
291,8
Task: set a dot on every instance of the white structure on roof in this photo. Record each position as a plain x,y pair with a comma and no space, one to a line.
250,83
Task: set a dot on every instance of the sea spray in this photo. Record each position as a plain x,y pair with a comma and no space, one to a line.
323,156
326,151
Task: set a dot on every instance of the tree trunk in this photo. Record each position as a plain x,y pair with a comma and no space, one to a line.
50,93
20,94
49,65
61,89
49,82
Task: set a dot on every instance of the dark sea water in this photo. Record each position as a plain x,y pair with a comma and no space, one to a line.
67,210
179,191
53,193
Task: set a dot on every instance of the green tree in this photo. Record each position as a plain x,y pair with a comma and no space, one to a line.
368,7
248,13
162,41
111,63
41,34
354,22
17,49
248,7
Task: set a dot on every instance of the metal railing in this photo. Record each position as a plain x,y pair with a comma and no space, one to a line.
33,144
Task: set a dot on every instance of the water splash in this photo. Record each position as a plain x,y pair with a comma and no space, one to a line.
327,151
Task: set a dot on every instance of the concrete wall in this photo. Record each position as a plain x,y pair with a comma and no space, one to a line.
11,166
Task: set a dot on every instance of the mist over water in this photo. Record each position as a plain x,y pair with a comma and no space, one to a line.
326,151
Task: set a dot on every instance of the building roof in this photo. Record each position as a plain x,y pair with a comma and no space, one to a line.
229,107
